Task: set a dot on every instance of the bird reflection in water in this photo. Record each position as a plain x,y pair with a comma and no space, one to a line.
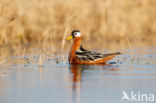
77,71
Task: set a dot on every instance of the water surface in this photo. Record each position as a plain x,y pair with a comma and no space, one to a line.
24,80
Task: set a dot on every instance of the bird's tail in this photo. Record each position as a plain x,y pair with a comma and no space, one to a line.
110,55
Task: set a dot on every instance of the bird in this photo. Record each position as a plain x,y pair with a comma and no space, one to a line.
79,55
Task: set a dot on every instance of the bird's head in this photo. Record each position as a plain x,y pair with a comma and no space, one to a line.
74,34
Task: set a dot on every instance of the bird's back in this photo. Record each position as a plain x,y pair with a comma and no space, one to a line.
85,55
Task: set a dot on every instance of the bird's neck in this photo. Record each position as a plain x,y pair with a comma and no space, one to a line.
76,43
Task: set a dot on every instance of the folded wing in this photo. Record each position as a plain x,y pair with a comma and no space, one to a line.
85,55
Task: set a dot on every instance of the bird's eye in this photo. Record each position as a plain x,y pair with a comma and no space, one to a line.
75,33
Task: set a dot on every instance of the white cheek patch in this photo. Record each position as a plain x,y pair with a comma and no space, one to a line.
78,34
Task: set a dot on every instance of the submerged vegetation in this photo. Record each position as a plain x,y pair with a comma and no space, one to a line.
102,22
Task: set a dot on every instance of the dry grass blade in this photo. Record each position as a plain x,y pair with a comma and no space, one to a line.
41,59
123,33
63,41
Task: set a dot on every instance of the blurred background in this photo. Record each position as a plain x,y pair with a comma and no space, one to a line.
104,24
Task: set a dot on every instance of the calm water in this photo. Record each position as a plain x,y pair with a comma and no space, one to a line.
22,80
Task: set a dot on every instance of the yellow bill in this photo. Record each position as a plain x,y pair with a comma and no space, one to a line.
68,38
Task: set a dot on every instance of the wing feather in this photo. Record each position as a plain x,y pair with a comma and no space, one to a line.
83,54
